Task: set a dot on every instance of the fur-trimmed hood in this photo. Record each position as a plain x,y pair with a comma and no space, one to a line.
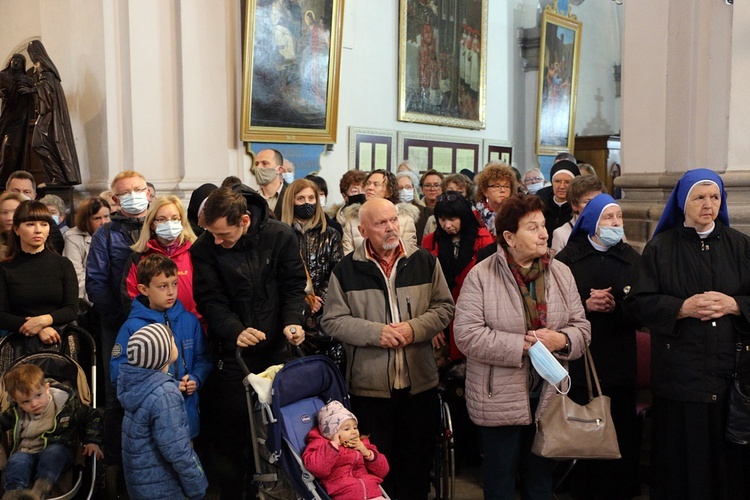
404,209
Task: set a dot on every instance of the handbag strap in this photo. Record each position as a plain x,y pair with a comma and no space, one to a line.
589,360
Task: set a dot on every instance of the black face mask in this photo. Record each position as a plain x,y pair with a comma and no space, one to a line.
356,198
305,211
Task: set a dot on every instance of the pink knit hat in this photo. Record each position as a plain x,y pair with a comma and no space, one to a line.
330,418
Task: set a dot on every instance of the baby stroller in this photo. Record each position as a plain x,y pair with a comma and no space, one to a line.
298,391
63,362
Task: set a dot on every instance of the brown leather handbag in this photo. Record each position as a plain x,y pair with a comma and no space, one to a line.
567,430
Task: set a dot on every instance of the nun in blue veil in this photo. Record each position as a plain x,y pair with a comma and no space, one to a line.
692,291
604,266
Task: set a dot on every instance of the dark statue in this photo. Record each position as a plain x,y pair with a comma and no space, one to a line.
52,139
18,108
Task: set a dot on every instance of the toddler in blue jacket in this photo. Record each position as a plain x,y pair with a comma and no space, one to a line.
157,458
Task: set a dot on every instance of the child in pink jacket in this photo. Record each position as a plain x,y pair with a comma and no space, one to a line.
347,465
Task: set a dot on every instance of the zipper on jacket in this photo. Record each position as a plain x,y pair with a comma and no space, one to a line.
408,307
489,382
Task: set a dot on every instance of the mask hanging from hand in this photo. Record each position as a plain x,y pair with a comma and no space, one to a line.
546,365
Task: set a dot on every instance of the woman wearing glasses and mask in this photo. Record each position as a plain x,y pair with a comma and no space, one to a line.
455,243
379,184
166,231
495,184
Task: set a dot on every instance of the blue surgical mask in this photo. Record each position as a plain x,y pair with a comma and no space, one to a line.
406,195
533,188
134,203
56,218
288,177
546,365
611,236
169,230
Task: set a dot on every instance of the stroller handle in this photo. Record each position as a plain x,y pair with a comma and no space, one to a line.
296,350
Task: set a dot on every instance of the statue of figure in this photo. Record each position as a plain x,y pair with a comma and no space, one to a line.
53,136
14,118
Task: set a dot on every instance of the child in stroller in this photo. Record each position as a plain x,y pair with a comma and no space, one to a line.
347,465
47,422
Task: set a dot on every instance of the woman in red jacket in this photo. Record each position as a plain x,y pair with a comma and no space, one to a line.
167,231
455,243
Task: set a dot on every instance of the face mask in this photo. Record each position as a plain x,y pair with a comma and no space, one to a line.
406,195
322,200
56,218
533,188
134,203
265,176
169,230
546,365
304,211
356,198
288,177
611,236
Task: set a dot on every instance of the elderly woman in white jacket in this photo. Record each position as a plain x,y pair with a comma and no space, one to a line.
510,301
379,184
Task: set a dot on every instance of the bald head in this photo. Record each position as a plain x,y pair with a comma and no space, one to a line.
378,223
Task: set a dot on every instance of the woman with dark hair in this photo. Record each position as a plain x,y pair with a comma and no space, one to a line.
379,184
455,242
495,184
516,298
323,188
92,214
38,287
692,291
195,206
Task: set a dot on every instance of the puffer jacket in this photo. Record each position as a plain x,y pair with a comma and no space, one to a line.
157,458
344,473
321,251
193,354
75,422
359,304
489,328
408,215
259,282
110,249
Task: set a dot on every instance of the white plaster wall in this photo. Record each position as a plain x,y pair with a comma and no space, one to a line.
739,146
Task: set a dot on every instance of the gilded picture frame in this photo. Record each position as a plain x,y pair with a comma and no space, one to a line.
442,63
291,61
558,82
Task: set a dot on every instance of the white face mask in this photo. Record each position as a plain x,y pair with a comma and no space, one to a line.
134,203
288,177
533,188
169,230
322,200
406,195
56,218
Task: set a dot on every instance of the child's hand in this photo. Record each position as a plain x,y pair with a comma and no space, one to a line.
93,449
188,386
336,441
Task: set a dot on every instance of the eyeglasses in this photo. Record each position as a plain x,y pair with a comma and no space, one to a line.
448,197
532,180
131,191
430,186
162,220
504,187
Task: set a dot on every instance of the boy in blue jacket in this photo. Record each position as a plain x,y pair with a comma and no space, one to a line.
157,457
158,303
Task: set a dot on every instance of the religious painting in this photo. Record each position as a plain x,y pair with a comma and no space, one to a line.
372,149
292,55
558,81
442,63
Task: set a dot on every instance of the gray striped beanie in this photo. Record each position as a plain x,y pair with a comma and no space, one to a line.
150,347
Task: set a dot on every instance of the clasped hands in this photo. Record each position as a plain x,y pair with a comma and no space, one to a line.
601,300
41,326
552,340
396,335
295,334
708,306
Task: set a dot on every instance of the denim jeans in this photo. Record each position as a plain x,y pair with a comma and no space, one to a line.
49,465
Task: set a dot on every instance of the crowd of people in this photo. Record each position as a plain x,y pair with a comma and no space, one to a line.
414,274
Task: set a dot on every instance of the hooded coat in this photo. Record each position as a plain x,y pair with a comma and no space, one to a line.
408,215
157,457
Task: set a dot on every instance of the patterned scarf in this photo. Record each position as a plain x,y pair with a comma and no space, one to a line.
531,285
487,217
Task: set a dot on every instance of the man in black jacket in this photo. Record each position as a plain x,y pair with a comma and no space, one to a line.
249,284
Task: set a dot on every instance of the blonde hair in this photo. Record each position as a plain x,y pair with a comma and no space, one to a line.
147,233
287,212
125,174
